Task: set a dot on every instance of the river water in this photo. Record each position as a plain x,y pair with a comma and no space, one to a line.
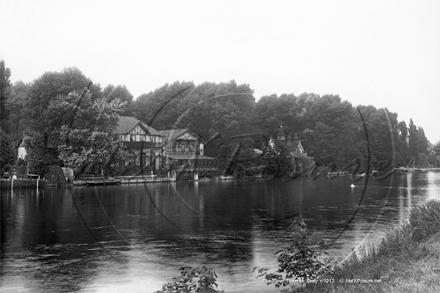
134,238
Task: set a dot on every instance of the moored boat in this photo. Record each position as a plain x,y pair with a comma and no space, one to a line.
103,182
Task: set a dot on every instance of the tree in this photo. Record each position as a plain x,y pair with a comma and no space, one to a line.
436,150
5,86
7,157
418,143
40,156
162,108
120,92
49,87
88,142
299,262
48,106
15,104
276,160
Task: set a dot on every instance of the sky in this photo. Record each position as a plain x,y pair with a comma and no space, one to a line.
381,53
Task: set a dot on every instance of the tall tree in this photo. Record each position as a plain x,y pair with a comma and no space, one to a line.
7,157
88,143
46,89
418,143
5,86
120,92
15,104
162,107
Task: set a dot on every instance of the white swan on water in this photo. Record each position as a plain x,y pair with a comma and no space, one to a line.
352,185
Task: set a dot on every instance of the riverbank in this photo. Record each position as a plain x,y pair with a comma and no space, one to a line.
407,260
22,183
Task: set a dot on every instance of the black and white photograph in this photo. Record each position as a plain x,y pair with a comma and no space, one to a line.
219,146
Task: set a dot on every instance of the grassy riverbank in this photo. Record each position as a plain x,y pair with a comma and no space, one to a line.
407,260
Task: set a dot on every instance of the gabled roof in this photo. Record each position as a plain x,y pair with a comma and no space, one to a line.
172,134
281,131
127,123
297,148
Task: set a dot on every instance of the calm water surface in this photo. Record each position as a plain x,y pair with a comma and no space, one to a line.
134,238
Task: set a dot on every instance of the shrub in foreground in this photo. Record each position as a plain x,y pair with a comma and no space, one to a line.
198,280
425,220
299,263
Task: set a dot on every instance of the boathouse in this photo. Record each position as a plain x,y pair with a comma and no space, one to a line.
184,151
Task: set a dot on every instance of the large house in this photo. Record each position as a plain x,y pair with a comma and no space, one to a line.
179,149
143,141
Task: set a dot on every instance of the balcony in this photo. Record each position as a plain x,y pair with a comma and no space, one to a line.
183,153
142,144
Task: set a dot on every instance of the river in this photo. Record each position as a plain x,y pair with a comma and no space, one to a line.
134,238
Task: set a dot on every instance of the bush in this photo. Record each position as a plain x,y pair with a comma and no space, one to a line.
425,220
198,280
55,175
299,262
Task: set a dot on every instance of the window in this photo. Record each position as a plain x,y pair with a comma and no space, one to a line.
137,160
182,147
191,148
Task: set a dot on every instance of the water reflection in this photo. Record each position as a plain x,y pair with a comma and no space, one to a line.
135,237
433,185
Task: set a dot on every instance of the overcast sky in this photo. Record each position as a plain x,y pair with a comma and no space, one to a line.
383,53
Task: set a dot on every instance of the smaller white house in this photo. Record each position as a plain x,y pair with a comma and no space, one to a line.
21,150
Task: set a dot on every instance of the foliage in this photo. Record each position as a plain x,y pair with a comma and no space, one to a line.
85,124
159,109
5,86
15,103
330,129
206,109
88,144
298,263
235,156
402,262
84,148
7,157
198,280
435,154
39,156
50,87
425,220
121,93
55,175
276,159
418,143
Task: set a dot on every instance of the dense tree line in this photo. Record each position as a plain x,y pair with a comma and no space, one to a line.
331,130
62,118
67,119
